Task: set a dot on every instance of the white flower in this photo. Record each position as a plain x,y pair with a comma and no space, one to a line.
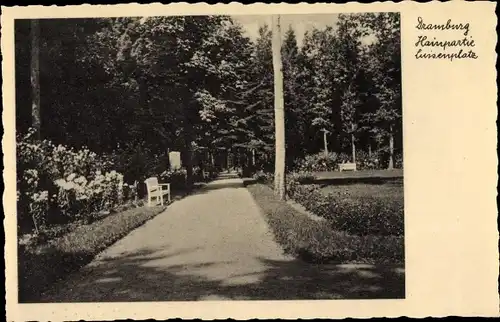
60,182
81,179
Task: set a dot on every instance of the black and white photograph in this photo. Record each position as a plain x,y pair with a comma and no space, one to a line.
209,158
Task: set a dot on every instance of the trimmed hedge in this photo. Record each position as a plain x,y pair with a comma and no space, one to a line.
362,216
314,241
40,266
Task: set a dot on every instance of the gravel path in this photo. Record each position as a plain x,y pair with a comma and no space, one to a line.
214,245
212,239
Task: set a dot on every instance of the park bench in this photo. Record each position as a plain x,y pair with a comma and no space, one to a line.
347,166
156,190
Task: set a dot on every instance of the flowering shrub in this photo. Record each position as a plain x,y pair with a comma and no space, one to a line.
80,197
319,162
322,162
57,182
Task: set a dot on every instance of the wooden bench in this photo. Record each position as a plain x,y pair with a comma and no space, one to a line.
347,166
156,190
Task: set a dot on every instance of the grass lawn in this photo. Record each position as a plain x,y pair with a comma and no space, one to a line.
41,265
319,242
395,173
391,190
320,250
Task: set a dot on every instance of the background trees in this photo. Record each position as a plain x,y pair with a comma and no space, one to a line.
139,87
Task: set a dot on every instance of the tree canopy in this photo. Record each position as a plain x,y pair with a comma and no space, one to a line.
187,83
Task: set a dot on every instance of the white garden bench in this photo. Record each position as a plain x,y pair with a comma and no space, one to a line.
157,190
347,166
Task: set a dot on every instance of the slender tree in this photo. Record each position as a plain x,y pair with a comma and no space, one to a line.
384,66
279,112
35,76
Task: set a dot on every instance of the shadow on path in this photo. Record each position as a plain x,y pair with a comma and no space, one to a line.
219,183
136,277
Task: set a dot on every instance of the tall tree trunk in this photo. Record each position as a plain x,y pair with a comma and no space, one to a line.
35,77
391,148
188,150
353,144
189,162
253,157
279,112
325,142
369,148
211,157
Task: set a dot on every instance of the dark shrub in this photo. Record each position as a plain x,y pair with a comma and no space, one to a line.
176,178
263,177
248,171
301,177
364,161
398,160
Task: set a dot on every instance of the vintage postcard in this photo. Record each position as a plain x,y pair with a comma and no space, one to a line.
250,161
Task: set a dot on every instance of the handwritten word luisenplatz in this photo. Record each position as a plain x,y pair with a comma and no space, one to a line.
434,48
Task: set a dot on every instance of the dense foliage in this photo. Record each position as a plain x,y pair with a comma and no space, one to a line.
140,87
330,162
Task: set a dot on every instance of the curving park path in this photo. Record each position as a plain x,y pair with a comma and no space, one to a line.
214,245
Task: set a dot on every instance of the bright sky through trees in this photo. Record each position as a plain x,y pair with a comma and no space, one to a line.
299,23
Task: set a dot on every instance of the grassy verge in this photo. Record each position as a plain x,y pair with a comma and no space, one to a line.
355,214
42,265
396,173
389,190
315,241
